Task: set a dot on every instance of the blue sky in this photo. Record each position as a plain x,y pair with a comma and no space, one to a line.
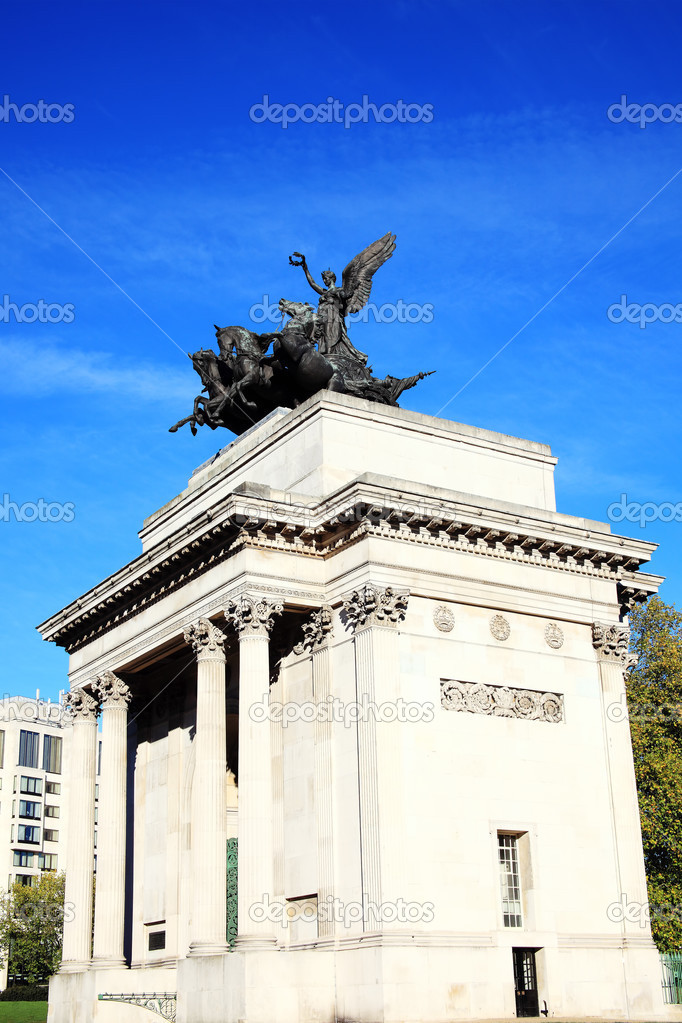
162,178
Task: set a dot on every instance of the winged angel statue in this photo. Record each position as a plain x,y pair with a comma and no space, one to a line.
310,351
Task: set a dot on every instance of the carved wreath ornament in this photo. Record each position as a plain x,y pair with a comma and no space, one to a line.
501,701
554,636
500,627
443,618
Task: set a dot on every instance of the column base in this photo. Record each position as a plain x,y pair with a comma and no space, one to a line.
208,948
247,942
74,966
102,963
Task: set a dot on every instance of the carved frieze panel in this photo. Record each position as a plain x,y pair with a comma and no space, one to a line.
502,701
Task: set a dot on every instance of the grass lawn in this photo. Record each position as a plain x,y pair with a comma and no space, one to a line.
23,1012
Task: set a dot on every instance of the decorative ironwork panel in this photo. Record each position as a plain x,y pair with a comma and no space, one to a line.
163,1003
232,922
671,980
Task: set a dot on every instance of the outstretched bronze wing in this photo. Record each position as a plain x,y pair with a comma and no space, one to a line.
357,277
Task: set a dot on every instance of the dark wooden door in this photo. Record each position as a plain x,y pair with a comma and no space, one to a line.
525,982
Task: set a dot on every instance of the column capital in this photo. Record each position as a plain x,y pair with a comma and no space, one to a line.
81,705
206,639
112,691
374,605
317,630
251,616
611,643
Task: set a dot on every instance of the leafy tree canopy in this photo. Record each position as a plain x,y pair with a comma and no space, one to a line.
654,695
31,925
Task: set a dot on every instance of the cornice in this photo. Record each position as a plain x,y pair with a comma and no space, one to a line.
255,519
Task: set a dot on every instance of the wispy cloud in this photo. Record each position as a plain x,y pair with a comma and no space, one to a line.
55,370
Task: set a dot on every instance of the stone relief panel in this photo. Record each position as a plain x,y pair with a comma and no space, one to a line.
501,701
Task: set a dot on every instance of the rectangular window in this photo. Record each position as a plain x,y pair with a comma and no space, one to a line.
53,788
510,881
99,757
31,786
30,810
47,861
28,749
52,811
29,833
2,748
23,859
51,836
26,879
52,754
157,940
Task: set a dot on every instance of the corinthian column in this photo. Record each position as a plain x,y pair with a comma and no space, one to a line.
111,832
374,615
80,848
253,619
209,794
317,631
611,645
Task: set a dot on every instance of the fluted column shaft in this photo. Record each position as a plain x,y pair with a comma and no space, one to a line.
209,794
81,834
317,631
111,830
375,614
611,643
253,619
324,790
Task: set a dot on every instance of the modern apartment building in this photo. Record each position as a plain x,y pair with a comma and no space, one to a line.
34,754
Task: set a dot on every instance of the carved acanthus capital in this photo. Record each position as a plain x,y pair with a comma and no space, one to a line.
112,690
81,705
372,605
206,639
316,630
611,643
252,616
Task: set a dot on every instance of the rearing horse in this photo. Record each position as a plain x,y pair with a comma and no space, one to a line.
244,350
295,349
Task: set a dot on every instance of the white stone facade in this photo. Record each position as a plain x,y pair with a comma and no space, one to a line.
363,641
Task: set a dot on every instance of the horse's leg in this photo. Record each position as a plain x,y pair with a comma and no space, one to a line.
187,419
252,377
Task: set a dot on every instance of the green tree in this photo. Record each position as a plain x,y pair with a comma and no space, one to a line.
31,925
654,695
